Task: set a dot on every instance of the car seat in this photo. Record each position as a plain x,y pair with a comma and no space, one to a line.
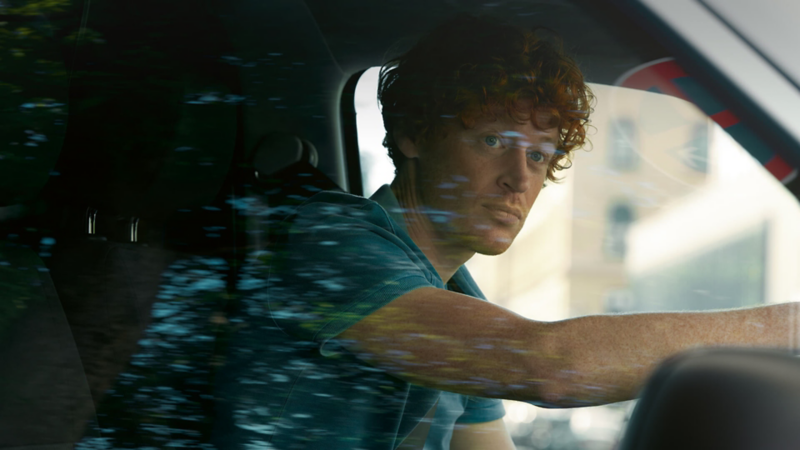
98,211
719,399
44,395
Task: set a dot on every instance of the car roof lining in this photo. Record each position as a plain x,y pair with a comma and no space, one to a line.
600,40
308,49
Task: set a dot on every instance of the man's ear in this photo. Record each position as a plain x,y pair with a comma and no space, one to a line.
407,147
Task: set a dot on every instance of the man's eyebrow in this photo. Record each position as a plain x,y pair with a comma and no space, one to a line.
550,139
547,138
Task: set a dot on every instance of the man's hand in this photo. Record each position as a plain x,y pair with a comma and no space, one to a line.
480,436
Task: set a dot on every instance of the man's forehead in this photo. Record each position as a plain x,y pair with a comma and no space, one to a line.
544,119
541,118
540,124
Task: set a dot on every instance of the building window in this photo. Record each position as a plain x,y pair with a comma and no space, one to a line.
620,217
622,153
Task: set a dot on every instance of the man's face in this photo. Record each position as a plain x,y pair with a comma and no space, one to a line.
477,185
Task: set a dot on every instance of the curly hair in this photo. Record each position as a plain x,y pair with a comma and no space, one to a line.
474,67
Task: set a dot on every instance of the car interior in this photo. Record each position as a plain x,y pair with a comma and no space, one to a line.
150,150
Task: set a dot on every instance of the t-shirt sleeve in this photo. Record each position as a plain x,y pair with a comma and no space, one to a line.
480,410
335,264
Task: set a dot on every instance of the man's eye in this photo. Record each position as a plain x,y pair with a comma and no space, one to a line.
536,156
492,141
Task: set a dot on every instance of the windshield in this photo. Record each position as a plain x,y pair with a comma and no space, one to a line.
663,211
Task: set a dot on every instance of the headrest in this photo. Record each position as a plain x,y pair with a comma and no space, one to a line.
719,398
277,151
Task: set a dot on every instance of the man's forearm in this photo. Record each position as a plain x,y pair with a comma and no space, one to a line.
444,340
603,359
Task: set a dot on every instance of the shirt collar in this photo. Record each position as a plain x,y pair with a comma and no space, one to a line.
385,197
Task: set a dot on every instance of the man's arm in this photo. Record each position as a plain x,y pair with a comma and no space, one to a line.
449,341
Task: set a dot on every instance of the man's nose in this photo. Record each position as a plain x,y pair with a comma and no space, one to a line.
516,176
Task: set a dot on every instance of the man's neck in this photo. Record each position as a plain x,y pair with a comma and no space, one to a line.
446,257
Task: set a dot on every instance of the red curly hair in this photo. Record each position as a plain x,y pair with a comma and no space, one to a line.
473,67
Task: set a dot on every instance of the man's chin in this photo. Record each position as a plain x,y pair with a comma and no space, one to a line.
490,242
492,246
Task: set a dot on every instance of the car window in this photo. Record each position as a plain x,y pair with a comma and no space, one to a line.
150,153
663,211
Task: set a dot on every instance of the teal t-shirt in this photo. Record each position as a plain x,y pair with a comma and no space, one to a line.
288,383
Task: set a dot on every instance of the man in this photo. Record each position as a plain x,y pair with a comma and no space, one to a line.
373,334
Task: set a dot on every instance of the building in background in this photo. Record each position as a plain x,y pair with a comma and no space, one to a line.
732,243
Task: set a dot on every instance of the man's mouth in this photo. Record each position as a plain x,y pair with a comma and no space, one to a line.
505,214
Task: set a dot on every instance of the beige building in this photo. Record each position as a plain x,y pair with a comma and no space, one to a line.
744,216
